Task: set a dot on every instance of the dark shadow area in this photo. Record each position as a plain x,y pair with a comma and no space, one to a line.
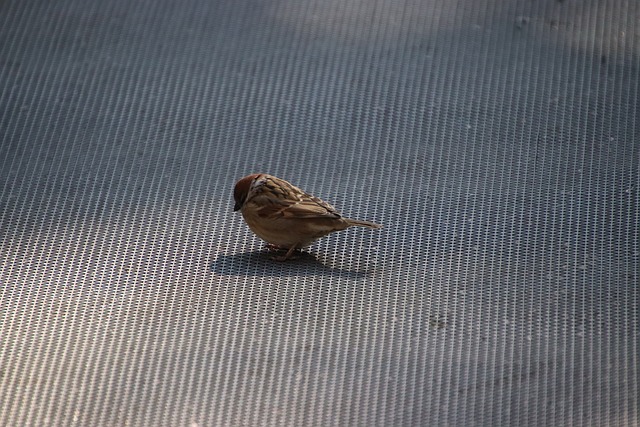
259,263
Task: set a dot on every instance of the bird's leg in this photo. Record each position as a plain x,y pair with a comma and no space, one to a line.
286,256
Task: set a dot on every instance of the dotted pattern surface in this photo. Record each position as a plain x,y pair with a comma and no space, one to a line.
497,142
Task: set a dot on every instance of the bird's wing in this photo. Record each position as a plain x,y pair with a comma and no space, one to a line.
285,200
310,207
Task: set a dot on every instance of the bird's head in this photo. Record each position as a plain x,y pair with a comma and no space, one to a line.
242,189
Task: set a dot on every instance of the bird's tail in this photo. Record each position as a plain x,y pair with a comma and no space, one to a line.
358,223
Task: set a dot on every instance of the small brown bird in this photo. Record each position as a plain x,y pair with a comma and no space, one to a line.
284,215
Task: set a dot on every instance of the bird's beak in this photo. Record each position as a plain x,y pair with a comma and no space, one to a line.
236,207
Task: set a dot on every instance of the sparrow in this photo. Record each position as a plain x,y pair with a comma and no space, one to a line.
285,216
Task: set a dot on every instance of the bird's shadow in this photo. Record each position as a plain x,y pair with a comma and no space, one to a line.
260,263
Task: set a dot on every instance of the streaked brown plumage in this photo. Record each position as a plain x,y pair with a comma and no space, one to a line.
284,215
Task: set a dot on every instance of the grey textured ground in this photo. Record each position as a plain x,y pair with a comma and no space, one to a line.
497,141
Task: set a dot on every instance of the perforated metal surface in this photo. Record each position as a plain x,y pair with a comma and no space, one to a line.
497,142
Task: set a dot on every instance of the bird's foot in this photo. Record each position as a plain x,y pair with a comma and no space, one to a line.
292,253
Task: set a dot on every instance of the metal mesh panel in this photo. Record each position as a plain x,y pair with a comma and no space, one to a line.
497,142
